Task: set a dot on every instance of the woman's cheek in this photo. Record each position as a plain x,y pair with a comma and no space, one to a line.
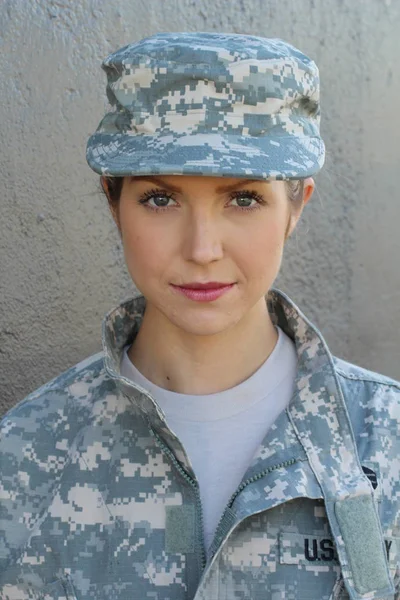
265,254
145,254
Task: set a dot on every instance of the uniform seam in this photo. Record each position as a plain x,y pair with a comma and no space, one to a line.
200,111
184,134
367,379
165,62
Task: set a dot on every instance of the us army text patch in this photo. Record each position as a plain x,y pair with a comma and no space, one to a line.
306,549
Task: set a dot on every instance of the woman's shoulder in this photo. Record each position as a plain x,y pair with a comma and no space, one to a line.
353,372
73,389
372,400
42,427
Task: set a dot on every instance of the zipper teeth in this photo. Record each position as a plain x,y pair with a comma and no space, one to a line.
260,475
194,486
257,477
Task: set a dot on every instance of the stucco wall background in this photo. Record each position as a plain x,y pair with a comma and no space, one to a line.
61,266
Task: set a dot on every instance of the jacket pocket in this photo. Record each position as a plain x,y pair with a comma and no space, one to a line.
310,562
61,589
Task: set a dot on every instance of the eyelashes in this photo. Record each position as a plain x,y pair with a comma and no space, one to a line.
155,193
165,197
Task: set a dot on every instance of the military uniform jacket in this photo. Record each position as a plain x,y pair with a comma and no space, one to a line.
98,499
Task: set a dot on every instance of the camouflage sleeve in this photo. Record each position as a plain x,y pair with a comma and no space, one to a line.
33,453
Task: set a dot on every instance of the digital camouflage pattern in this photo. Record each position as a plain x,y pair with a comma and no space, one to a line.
223,104
98,500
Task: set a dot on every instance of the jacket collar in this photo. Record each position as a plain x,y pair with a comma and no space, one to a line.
317,392
121,325
315,363
317,397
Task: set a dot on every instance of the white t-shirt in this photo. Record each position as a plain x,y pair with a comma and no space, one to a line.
221,432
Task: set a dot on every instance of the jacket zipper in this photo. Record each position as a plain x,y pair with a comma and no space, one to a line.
195,486
252,479
257,477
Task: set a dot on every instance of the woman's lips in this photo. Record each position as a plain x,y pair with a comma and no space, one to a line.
203,292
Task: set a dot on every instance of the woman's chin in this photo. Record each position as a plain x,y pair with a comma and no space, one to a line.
195,323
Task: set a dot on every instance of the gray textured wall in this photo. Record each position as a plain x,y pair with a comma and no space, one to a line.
61,264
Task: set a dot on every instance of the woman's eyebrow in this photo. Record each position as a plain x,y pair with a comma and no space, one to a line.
244,181
220,189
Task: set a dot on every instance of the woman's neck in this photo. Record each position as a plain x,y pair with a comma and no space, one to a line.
193,364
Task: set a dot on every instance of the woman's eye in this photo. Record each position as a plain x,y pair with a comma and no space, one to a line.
157,199
243,201
246,200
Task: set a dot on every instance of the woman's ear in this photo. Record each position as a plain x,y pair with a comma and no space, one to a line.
308,190
309,187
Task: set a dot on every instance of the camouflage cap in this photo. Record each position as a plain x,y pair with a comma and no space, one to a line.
200,103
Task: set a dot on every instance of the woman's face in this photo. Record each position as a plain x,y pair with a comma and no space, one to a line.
180,230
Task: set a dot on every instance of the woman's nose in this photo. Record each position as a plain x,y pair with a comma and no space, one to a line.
203,241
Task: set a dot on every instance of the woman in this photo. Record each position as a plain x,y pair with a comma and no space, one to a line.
215,449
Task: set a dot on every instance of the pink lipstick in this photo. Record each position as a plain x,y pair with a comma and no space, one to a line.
203,292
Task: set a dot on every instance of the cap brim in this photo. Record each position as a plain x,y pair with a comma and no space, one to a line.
218,154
